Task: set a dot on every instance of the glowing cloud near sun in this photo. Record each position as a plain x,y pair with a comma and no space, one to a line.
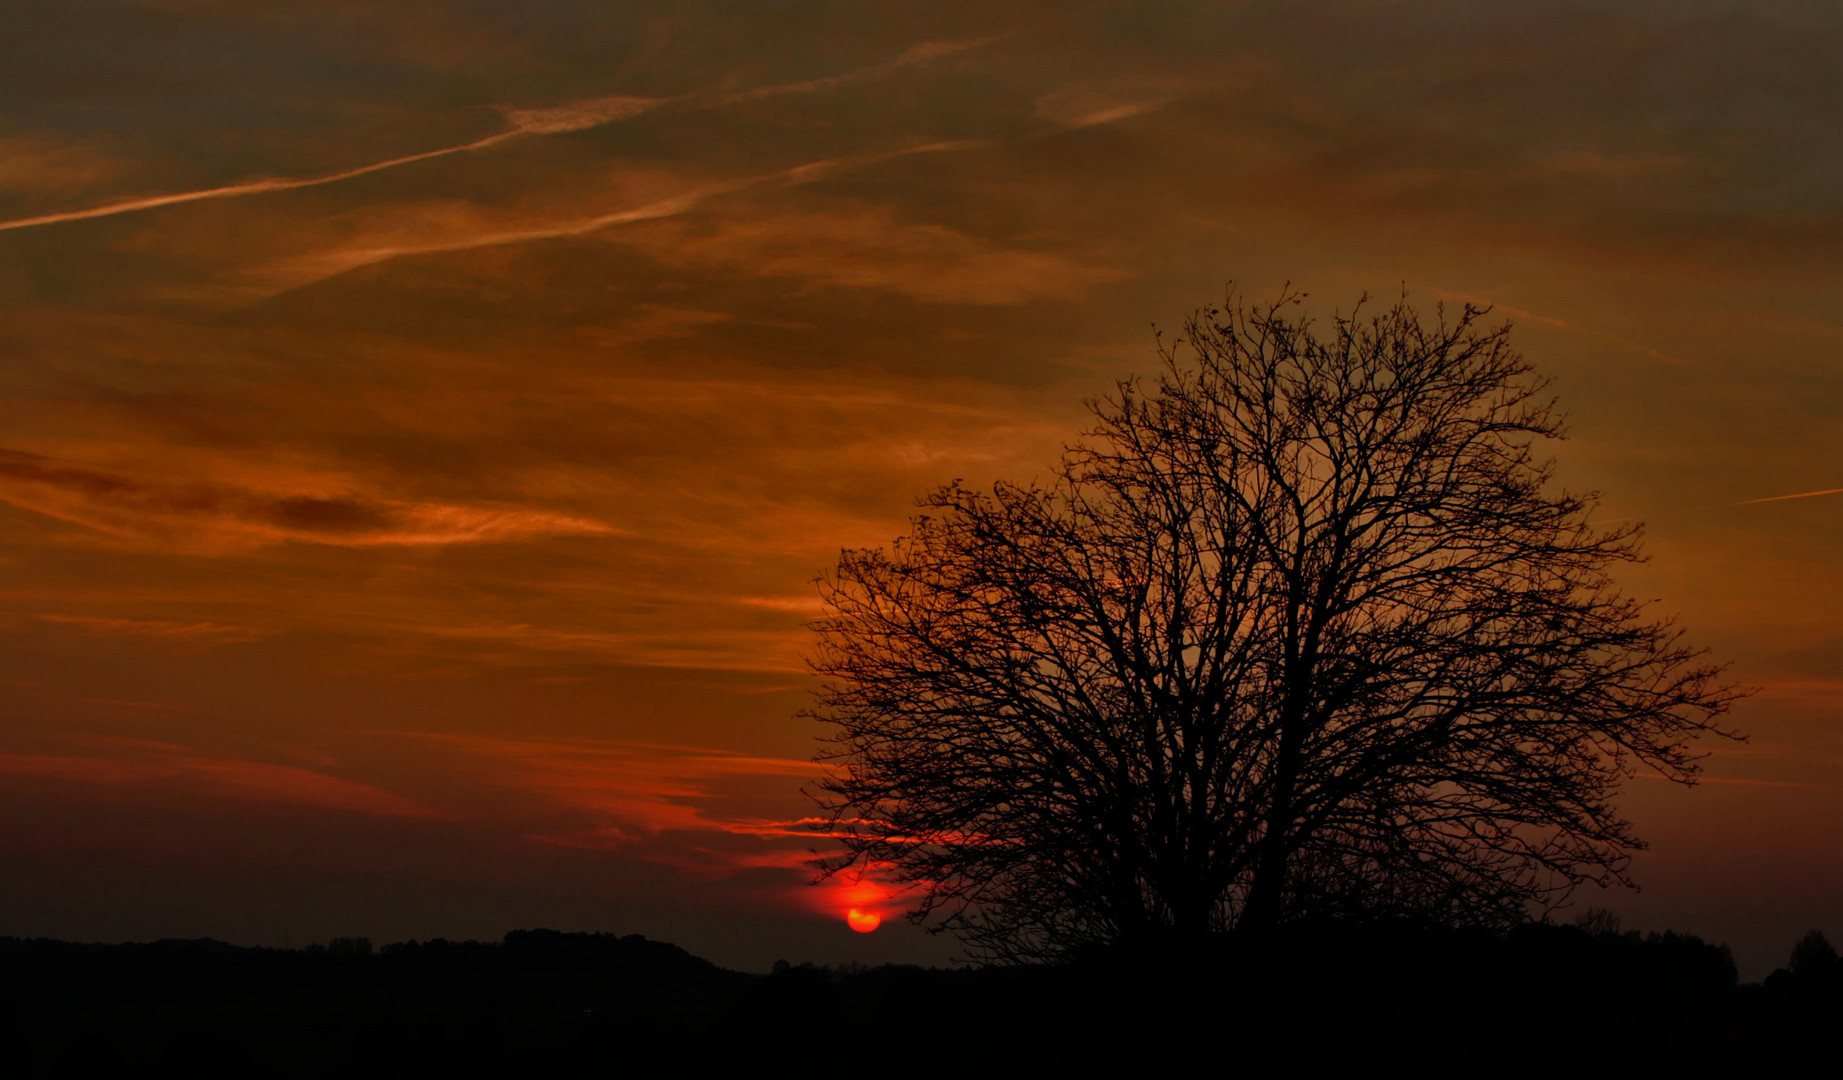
863,901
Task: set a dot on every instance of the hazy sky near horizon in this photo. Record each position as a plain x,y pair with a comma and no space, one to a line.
420,423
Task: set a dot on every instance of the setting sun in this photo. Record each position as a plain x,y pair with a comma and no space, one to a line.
863,900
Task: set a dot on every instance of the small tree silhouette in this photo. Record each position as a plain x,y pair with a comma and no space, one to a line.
1813,958
1303,628
1599,922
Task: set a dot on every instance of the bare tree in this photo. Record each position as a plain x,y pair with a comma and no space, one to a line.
1302,628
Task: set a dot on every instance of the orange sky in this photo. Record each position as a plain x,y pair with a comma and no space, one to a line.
420,423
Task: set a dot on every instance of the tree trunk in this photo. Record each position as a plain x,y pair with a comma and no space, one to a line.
1262,912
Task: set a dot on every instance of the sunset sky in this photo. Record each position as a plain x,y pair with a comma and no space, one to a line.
421,423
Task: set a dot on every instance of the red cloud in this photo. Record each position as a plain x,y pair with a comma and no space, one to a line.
136,762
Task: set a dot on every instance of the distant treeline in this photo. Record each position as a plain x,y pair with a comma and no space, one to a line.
540,1002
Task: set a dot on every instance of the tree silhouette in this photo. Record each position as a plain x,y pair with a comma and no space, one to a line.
1813,959
1303,628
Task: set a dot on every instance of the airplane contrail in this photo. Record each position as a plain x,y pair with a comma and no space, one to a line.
252,187
1800,495
575,116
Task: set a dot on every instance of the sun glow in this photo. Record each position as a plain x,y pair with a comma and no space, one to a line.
860,898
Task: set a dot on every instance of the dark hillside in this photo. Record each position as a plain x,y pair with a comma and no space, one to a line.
203,1007
541,1002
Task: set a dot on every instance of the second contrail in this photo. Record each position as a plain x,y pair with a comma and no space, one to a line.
1800,495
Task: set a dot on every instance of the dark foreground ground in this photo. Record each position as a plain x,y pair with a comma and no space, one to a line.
1536,1000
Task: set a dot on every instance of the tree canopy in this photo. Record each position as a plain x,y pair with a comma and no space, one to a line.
1303,627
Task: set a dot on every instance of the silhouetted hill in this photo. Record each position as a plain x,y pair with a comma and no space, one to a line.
541,1002
468,1008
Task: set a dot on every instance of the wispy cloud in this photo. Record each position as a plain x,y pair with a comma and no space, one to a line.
174,629
708,648
919,54
637,789
698,810
1521,315
140,763
41,165
803,605
872,250
1590,163
215,513
577,115
447,229
463,235
1080,107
